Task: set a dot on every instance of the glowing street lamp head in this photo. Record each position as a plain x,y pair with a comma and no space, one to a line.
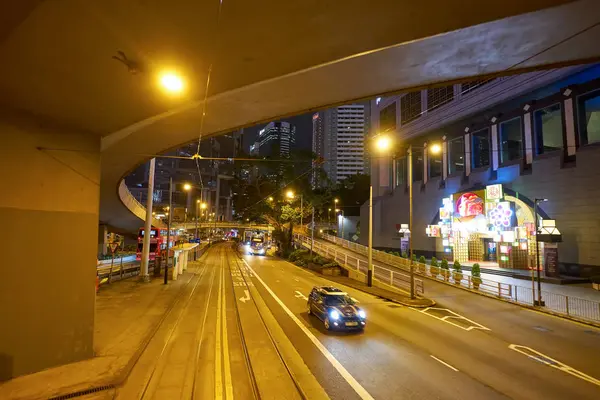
435,148
289,194
203,206
171,82
187,186
383,143
270,198
335,201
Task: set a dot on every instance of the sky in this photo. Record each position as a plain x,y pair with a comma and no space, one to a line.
303,125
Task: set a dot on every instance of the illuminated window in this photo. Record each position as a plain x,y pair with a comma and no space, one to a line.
548,129
456,155
480,148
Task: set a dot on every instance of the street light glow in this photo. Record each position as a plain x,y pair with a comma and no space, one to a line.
187,186
270,198
383,143
335,201
290,194
171,82
435,148
203,206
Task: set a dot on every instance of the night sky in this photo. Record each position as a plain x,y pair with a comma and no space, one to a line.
303,131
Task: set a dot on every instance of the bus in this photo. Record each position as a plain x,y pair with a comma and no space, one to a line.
158,240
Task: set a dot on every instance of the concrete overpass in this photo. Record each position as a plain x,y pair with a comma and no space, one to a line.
66,105
190,226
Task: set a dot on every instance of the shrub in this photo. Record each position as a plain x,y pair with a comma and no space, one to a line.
476,271
404,255
434,262
300,263
414,257
456,266
444,264
297,254
422,260
331,264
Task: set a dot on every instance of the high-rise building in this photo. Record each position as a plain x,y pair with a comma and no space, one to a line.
339,137
318,145
275,140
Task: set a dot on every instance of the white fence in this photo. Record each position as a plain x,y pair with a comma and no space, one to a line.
568,305
393,278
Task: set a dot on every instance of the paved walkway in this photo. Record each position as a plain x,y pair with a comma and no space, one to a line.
127,313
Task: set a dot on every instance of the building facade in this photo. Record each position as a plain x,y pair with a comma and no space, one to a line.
275,140
505,143
339,139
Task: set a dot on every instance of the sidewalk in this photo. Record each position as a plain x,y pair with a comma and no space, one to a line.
127,315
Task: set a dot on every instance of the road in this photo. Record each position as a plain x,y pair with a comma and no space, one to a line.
242,327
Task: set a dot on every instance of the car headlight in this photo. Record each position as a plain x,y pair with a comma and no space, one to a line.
334,314
362,314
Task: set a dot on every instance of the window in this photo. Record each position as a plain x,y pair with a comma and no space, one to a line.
456,155
410,107
387,118
435,164
480,148
401,172
548,129
473,85
417,165
589,117
510,140
437,97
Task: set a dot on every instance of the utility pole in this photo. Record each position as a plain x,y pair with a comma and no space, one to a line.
370,254
312,232
410,223
144,277
301,209
169,229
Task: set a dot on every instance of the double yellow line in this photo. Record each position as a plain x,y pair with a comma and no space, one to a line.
222,362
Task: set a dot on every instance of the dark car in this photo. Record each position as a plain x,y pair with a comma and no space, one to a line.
335,308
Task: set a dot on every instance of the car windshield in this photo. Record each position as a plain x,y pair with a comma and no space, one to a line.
338,300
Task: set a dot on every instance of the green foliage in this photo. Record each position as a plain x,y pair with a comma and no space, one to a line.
331,264
297,254
456,266
444,264
476,271
434,262
320,260
404,255
414,257
300,263
422,259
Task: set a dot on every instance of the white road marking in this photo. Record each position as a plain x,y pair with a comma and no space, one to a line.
297,280
218,369
361,391
445,363
474,325
544,359
246,297
299,295
226,360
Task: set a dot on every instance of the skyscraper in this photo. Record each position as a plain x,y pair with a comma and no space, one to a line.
275,140
339,138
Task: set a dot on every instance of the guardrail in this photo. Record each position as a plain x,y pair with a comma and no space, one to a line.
588,310
382,274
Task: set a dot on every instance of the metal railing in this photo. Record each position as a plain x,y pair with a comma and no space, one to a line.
584,309
390,277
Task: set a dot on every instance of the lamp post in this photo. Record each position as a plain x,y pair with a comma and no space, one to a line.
166,277
537,253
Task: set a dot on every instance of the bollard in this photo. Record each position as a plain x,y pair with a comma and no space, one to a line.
499,290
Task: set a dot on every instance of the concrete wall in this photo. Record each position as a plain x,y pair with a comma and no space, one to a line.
572,195
49,212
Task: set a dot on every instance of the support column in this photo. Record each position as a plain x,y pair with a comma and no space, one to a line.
47,290
571,141
444,158
528,136
467,152
425,165
144,277
103,239
495,153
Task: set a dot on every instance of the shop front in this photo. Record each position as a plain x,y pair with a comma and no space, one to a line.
487,226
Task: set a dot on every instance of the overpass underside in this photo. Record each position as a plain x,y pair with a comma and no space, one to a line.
74,121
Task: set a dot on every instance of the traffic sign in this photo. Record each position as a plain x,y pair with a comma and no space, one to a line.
113,246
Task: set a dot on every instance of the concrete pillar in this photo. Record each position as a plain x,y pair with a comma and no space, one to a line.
228,216
47,286
144,277
444,158
527,133
571,142
495,149
425,165
467,155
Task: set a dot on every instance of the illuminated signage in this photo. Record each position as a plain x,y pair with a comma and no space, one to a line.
469,205
500,216
261,132
493,192
433,231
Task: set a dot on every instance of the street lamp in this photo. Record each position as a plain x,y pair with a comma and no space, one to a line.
539,302
171,82
270,198
289,194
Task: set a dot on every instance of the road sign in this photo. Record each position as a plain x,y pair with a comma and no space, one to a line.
113,246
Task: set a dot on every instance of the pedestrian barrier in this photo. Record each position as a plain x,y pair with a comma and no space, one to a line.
393,278
584,309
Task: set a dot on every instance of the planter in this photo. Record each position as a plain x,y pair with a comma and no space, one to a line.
457,276
476,282
434,271
446,274
422,269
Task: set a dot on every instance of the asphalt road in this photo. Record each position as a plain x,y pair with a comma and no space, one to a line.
468,347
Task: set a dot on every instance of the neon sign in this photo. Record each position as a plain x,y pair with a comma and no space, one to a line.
501,215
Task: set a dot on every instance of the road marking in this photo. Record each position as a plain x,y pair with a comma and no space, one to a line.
297,280
361,391
445,363
218,368
227,365
299,295
447,318
246,297
544,359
